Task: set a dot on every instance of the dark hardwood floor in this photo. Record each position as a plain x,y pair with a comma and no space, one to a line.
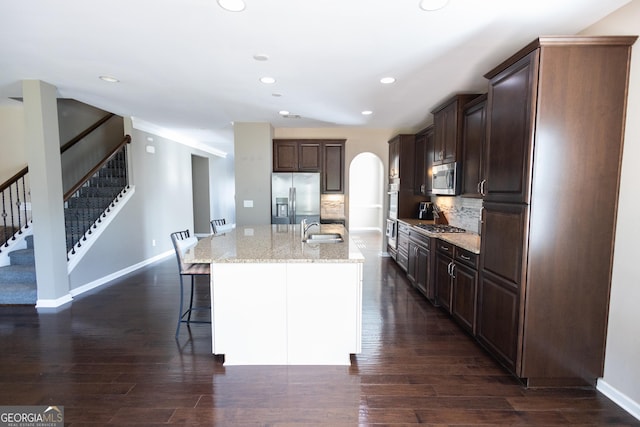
111,359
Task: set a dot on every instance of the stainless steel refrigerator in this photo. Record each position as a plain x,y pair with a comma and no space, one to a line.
294,197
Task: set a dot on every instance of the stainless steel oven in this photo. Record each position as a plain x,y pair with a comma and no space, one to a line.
392,195
391,233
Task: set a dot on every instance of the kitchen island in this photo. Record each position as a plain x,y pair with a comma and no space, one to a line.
278,301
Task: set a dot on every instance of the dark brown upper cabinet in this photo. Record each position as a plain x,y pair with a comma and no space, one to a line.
325,156
474,131
296,155
423,161
447,119
333,166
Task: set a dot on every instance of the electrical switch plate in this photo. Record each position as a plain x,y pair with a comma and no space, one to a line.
248,203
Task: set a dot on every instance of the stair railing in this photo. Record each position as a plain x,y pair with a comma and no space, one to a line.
112,168
16,211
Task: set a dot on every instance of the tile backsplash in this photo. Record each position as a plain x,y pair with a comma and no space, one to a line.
332,206
461,211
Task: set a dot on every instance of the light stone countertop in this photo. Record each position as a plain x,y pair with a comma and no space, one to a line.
273,243
469,241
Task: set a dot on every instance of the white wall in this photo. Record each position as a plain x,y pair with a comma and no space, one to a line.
622,361
12,144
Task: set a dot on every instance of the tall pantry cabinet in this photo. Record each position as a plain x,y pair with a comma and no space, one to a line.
555,125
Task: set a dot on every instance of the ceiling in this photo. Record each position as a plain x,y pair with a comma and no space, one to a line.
187,67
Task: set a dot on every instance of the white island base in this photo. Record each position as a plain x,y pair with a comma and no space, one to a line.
286,313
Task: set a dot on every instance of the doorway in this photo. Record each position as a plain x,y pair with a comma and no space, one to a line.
366,192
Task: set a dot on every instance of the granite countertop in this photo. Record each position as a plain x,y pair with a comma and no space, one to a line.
273,243
469,241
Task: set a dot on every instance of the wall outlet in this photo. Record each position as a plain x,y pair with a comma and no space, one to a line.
248,203
153,242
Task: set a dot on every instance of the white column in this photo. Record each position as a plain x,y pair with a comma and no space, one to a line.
45,176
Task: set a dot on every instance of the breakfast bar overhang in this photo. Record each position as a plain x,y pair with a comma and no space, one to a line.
276,300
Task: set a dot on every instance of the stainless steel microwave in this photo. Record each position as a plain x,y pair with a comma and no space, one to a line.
445,179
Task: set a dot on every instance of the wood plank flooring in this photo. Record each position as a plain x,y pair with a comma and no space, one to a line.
111,359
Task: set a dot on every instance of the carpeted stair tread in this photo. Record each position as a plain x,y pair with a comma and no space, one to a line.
18,293
22,257
17,274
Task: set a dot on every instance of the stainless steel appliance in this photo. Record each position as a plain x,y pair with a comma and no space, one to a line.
294,197
425,210
441,228
391,233
393,195
445,179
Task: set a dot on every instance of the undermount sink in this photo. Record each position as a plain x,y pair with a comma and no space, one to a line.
323,238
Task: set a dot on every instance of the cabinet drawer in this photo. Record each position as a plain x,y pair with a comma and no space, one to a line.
403,227
463,256
420,239
444,247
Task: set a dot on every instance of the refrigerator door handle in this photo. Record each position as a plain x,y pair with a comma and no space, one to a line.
293,201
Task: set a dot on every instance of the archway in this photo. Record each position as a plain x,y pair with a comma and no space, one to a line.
366,195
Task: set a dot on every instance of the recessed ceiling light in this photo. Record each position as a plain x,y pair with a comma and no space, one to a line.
267,80
109,79
387,80
261,57
367,112
283,112
232,5
431,5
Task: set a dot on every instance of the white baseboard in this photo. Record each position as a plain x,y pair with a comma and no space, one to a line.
621,399
54,303
103,280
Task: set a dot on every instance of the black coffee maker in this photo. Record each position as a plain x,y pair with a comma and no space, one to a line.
425,210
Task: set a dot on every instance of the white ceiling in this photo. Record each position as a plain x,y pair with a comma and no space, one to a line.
187,66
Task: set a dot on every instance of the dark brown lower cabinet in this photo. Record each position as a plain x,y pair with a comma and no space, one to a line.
402,257
420,267
464,289
442,268
497,326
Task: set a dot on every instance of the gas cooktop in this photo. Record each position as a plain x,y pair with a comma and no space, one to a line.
441,228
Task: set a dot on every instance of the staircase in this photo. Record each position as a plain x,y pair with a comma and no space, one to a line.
86,207
18,280
83,211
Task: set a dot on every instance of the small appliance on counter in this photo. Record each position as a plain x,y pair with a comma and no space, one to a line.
425,210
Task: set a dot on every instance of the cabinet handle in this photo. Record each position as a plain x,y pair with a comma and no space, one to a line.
449,268
482,183
463,256
453,270
444,248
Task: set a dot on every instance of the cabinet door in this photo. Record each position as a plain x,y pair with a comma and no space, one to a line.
504,241
412,262
420,174
429,159
422,270
473,141
441,121
497,327
333,167
285,156
463,299
510,111
443,281
394,158
309,157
